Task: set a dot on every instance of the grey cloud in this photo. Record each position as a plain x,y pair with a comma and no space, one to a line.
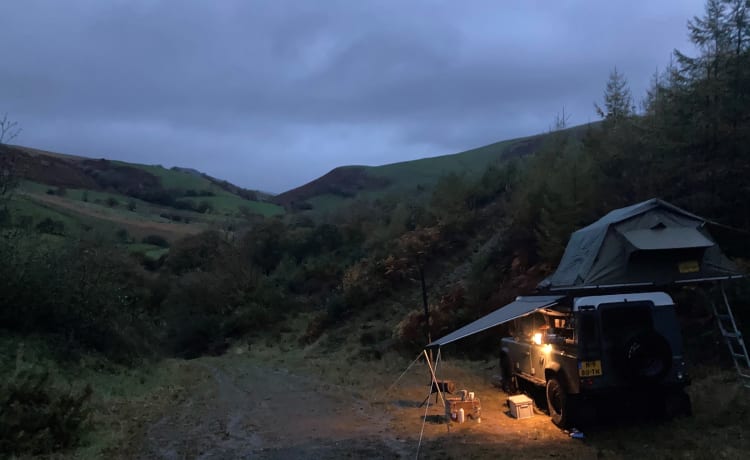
272,94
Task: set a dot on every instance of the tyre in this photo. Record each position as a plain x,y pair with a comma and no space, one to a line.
508,380
646,358
558,403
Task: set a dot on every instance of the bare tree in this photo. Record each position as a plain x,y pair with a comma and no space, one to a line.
9,130
8,180
561,121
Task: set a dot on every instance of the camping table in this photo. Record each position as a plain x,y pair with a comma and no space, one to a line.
472,408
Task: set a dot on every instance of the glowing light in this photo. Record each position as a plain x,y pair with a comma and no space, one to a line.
547,348
538,338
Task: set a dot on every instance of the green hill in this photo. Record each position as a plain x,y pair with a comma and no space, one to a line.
74,195
350,182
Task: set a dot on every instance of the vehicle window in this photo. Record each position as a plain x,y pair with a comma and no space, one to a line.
530,325
621,320
562,327
588,327
588,333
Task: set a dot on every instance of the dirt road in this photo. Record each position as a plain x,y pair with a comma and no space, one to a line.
252,410
269,413
334,406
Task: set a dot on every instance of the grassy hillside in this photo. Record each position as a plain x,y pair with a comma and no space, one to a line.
122,202
130,179
427,171
347,183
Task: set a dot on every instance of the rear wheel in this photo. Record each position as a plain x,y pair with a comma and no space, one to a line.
558,403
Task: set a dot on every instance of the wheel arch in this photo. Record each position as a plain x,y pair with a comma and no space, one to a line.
556,371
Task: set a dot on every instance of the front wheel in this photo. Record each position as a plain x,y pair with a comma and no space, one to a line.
558,403
508,380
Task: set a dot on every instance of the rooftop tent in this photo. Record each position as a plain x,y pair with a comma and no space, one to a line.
649,243
522,306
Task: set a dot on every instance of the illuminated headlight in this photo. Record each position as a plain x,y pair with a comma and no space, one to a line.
680,376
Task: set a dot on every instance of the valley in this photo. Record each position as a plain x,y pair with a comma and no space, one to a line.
160,312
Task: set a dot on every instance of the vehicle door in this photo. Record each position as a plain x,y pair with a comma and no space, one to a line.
530,335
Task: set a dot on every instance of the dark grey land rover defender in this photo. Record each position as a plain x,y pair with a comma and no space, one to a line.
585,349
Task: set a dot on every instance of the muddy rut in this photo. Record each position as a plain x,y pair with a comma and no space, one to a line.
267,413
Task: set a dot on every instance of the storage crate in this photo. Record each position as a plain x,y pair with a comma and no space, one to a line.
521,406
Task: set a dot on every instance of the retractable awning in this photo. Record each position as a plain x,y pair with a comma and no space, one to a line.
520,307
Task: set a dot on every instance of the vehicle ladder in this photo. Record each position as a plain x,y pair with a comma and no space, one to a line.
733,337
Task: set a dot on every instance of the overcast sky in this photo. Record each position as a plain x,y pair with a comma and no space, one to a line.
272,94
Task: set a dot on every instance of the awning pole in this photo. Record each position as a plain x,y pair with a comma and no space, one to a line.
440,393
432,373
437,361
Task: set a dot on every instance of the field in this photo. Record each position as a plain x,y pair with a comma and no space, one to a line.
80,218
109,214
223,201
122,202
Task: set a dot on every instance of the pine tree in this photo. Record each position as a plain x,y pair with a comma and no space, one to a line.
618,101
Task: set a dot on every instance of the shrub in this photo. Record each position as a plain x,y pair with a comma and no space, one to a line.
89,294
336,308
156,240
196,252
59,191
36,417
367,338
315,329
191,335
185,205
4,216
204,207
50,226
122,235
